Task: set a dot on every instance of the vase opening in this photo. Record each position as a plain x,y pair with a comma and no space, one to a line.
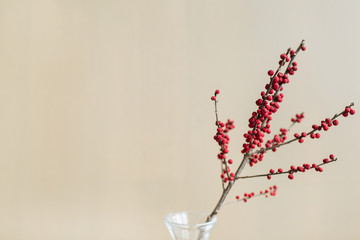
189,225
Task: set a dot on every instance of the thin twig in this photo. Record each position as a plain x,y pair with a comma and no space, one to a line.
256,195
222,161
277,173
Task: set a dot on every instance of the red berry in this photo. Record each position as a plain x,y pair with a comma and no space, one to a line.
301,140
237,197
317,135
325,160
245,200
293,167
331,156
230,161
270,72
272,171
268,177
213,98
320,169
291,177
352,111
280,170
259,102
303,134
217,91
335,122
303,48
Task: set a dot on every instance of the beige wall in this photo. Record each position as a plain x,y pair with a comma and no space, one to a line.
106,123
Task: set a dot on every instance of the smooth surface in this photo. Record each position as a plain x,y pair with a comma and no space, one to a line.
106,122
189,225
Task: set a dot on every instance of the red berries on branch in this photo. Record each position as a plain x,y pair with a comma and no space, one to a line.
268,104
298,117
271,191
347,111
259,123
222,138
293,169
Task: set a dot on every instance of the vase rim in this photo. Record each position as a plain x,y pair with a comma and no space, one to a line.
190,225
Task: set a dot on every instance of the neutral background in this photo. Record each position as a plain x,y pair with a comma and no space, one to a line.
106,122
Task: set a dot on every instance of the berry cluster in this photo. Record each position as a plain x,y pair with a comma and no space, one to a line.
259,122
347,111
324,125
276,141
271,143
222,138
271,191
298,117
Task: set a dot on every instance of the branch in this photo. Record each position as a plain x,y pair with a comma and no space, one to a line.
246,155
307,134
222,139
271,191
276,139
274,98
291,171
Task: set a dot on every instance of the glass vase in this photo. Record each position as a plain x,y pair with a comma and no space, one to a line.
189,225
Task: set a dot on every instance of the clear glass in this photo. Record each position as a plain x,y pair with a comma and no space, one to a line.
189,225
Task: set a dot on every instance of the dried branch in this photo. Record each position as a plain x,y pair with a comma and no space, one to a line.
259,123
271,191
247,155
308,133
286,172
